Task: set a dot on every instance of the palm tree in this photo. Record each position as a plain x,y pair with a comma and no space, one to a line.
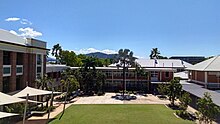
88,63
125,59
42,82
56,51
155,53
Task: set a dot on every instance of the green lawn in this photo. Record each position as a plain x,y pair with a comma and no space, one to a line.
119,114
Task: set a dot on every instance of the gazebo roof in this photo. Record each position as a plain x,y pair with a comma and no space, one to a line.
4,114
7,99
33,92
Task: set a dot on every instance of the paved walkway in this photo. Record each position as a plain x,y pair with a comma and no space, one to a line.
107,99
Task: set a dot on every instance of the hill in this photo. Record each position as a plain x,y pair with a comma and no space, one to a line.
101,55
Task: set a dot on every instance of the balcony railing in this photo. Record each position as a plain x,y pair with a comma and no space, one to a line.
19,69
6,70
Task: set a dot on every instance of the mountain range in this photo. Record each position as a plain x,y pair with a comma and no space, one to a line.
101,55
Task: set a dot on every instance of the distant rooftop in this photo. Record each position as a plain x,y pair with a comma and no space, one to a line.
212,64
163,63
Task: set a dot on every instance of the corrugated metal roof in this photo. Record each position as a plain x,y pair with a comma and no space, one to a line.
176,63
212,64
199,91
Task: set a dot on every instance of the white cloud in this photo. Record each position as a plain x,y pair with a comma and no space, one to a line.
25,21
12,19
92,50
22,21
26,32
29,32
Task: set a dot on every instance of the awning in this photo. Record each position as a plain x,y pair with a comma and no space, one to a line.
7,99
4,114
33,92
199,91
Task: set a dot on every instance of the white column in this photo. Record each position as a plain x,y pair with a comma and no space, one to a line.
206,79
160,75
196,75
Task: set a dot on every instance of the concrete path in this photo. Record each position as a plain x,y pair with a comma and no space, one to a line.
107,99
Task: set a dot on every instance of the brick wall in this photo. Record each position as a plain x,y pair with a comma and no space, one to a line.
31,69
166,79
201,76
212,79
1,70
44,65
25,70
12,83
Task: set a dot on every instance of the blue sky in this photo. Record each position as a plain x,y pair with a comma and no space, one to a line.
176,27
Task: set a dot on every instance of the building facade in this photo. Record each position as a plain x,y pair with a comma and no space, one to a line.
206,73
22,60
155,74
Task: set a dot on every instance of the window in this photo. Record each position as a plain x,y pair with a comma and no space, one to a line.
19,59
38,69
6,84
167,74
7,70
19,69
39,59
6,58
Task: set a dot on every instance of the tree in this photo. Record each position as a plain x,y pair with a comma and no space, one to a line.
185,100
207,110
68,79
140,73
56,51
70,58
89,63
174,90
125,59
42,82
100,82
162,89
154,53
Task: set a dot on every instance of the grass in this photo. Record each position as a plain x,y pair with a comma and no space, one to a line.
119,114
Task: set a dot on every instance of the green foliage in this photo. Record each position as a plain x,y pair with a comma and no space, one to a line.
125,59
183,114
174,90
207,110
56,52
69,80
43,81
155,54
15,108
162,89
70,58
185,100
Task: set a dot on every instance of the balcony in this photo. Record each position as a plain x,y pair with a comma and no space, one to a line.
19,69
6,70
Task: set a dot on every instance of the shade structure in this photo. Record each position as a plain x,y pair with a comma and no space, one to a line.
7,99
33,92
4,114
